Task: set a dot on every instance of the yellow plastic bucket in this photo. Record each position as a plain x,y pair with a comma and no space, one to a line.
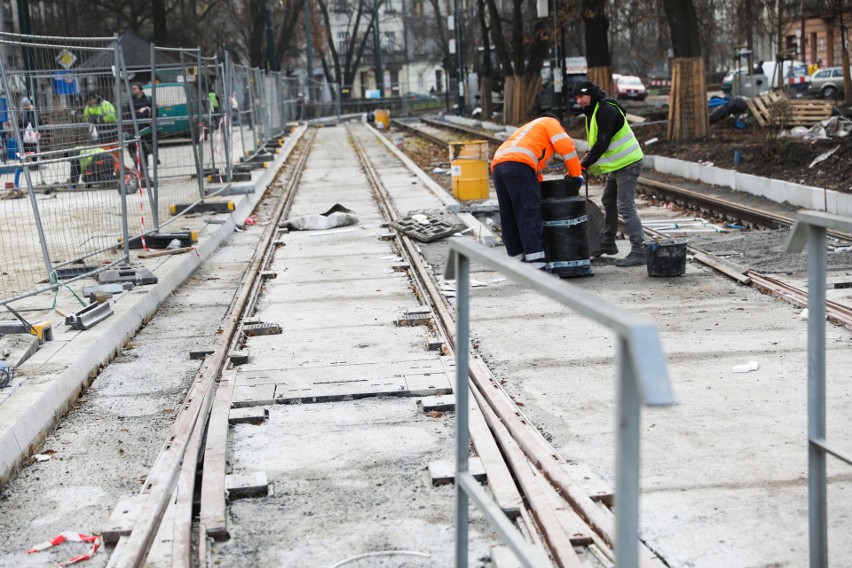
382,119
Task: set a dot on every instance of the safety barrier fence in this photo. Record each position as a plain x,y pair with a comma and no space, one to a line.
54,139
810,229
89,165
642,378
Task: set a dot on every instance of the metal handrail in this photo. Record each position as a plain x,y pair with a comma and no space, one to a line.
643,378
810,227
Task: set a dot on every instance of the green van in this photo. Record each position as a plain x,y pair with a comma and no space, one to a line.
175,103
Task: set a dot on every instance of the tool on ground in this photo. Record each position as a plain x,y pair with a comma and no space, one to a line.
42,330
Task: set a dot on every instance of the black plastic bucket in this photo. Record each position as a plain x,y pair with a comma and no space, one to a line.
666,258
565,233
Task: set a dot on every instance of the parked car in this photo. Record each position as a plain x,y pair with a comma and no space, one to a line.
630,87
827,83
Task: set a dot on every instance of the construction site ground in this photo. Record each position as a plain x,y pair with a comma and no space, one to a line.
724,471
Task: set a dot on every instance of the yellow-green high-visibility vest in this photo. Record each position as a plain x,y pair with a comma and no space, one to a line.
623,149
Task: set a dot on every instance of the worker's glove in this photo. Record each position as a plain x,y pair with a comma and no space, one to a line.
574,182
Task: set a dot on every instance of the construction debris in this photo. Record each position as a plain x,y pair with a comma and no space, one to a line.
775,109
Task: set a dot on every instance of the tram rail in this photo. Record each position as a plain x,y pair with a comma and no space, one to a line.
521,444
175,468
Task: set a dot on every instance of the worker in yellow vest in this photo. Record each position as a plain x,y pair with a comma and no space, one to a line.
614,152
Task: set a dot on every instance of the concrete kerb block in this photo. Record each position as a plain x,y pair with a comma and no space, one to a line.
40,406
776,190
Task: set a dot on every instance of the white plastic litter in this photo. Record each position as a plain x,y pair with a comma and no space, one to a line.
746,367
320,222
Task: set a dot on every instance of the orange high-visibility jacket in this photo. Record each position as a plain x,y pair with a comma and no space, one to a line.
534,144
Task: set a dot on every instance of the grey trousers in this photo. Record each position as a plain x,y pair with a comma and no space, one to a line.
619,198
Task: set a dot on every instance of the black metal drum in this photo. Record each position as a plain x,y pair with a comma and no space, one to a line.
565,234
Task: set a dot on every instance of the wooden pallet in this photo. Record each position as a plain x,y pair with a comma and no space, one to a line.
768,111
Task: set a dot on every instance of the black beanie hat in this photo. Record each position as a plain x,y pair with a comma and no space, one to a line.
584,88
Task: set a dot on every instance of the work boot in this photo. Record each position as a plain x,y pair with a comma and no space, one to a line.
632,259
605,249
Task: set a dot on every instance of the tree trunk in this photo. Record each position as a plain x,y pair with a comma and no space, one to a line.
688,99
602,77
158,15
596,27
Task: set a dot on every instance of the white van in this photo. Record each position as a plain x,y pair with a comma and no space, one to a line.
793,71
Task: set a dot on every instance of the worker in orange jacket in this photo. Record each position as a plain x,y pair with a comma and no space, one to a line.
516,169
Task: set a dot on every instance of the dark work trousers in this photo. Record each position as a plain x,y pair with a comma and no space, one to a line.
519,197
619,197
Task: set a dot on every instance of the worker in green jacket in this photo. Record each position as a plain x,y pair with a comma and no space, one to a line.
95,165
213,100
100,113
615,154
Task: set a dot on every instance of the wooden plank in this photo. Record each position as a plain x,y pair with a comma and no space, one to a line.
500,481
558,540
213,509
724,267
755,112
543,456
122,518
578,532
594,486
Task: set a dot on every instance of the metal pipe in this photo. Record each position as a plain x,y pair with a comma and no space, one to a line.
121,171
817,481
462,266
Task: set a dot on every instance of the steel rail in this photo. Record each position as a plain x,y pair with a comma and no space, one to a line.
540,452
213,521
838,313
165,473
420,132
717,205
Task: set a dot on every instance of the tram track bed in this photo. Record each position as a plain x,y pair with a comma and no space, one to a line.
346,450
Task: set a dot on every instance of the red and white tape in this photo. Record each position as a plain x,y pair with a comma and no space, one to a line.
70,537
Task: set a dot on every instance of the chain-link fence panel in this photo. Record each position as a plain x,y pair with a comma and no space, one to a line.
180,127
63,212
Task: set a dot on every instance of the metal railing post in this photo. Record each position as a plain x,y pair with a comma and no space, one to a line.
817,479
628,409
810,227
462,403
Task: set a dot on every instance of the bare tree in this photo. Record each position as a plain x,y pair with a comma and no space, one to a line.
597,43
521,57
345,57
